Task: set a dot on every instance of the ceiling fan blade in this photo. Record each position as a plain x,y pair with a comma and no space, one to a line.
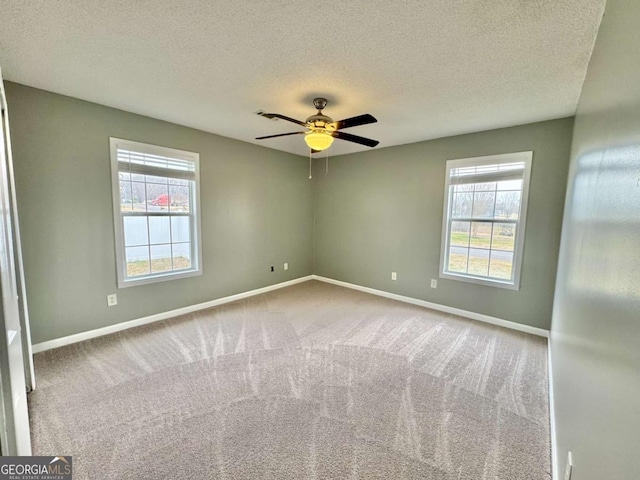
283,117
281,135
355,121
355,139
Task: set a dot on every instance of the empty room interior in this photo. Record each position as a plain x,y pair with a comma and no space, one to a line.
351,240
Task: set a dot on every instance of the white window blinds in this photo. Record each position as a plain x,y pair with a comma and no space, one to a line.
487,173
149,164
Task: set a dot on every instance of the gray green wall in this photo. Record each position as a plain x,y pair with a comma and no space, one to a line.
375,212
256,204
381,211
595,342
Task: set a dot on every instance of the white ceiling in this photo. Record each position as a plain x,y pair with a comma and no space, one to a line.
425,69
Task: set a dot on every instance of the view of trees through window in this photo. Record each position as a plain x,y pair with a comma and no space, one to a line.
482,228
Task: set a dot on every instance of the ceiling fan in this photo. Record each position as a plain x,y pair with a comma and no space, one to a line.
321,129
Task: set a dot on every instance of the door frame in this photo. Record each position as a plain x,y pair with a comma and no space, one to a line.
30,376
16,366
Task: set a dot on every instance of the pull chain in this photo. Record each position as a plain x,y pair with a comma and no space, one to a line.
309,163
326,168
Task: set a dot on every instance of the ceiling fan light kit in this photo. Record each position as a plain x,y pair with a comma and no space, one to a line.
318,140
321,129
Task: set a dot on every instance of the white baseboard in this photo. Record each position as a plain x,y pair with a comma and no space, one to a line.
552,419
79,337
118,327
442,308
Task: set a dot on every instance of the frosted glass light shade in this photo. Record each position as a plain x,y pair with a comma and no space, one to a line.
318,140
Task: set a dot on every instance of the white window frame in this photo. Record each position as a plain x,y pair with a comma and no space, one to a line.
118,217
521,222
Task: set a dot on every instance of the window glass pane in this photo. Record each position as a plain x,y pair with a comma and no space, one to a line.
504,235
126,203
501,264
485,187
138,197
181,229
463,187
481,234
154,179
179,181
508,204
136,177
483,203
461,207
181,256
160,258
458,259
460,234
135,231
179,196
510,185
137,261
478,261
159,230
158,197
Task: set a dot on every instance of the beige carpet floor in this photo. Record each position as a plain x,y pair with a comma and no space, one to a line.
312,381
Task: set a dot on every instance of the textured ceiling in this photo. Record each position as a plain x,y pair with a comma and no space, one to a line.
425,69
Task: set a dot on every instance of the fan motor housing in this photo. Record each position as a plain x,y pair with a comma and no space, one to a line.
321,121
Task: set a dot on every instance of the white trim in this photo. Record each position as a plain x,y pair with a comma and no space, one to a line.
25,323
80,337
118,327
489,282
552,418
541,332
518,252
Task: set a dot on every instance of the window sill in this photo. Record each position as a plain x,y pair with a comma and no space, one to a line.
480,281
134,282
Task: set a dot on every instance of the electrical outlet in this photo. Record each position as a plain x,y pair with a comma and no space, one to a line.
569,470
286,266
273,269
434,283
112,300
394,276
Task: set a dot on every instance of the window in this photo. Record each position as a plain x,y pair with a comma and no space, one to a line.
156,212
485,206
